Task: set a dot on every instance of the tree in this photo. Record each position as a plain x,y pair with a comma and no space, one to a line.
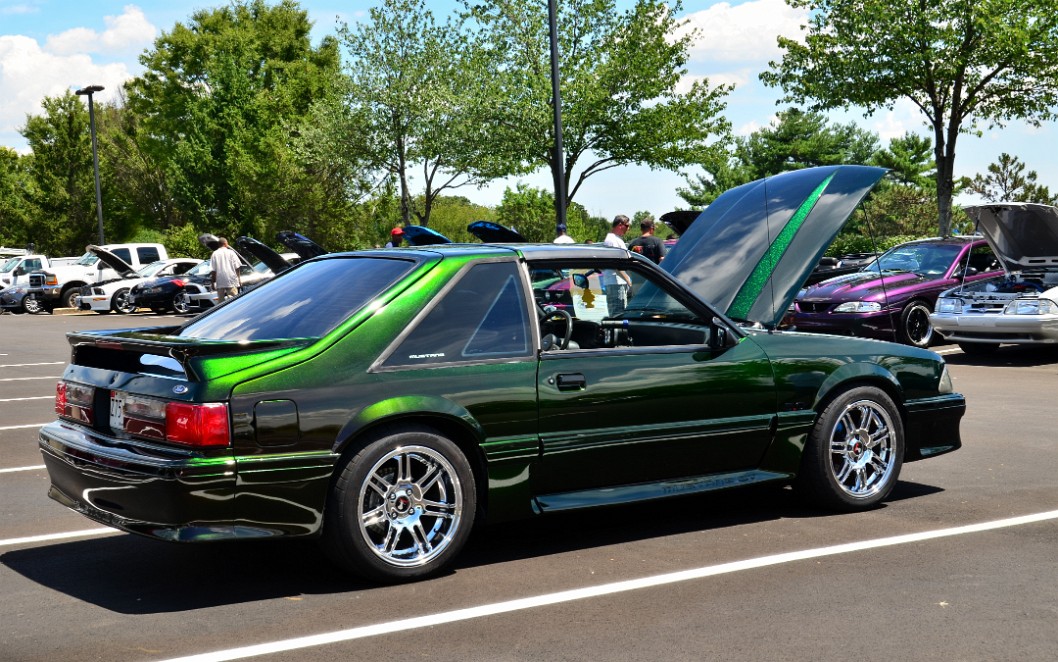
961,62
795,140
411,86
531,211
910,161
620,72
1007,181
61,167
219,100
16,191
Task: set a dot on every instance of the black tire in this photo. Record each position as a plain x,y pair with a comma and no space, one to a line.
120,303
387,528
34,306
978,348
68,298
915,327
179,305
854,453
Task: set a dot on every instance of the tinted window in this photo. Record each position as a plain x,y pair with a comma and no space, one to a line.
148,254
482,317
125,254
306,302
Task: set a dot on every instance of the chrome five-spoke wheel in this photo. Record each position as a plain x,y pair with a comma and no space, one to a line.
855,451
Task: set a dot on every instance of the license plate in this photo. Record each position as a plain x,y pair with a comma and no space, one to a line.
117,410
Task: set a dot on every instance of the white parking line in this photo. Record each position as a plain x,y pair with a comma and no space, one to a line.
35,397
26,365
14,469
86,533
482,611
22,427
27,379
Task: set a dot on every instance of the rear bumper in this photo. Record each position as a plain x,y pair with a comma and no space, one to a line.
154,492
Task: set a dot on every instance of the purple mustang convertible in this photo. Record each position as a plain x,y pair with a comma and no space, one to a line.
891,298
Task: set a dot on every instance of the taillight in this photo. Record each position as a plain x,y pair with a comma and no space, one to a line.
74,401
203,425
179,282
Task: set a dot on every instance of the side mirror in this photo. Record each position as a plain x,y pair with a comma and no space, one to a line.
581,281
20,271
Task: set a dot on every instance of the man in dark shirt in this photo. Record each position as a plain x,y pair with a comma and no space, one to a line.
647,244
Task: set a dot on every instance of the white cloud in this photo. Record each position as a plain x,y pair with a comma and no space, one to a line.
745,32
29,72
131,31
12,10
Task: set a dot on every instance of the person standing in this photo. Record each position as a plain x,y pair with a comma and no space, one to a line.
646,244
616,283
225,264
562,237
396,238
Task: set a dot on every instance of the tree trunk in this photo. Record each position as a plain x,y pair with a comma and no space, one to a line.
944,153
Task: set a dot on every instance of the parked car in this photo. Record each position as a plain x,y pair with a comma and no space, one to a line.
386,400
113,295
891,298
830,266
60,285
1021,305
17,268
20,298
197,293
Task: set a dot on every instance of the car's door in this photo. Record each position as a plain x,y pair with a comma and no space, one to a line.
653,401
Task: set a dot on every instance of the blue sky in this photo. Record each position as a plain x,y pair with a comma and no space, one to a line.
47,46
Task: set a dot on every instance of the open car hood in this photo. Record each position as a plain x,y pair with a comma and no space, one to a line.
679,221
272,259
300,244
417,235
123,268
750,251
1024,235
494,233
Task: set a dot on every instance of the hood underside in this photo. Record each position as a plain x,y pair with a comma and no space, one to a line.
1024,235
123,268
750,251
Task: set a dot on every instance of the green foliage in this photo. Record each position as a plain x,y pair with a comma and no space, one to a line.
216,104
795,140
620,102
64,192
16,193
183,240
961,62
1007,181
846,243
531,211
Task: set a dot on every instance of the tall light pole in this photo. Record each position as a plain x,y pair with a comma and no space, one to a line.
556,101
90,90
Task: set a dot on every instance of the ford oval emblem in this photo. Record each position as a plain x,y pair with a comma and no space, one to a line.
180,389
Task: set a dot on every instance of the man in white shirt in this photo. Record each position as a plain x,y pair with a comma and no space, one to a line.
616,283
562,237
225,264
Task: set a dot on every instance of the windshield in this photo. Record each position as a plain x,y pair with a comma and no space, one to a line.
9,265
923,259
88,259
305,302
200,269
151,269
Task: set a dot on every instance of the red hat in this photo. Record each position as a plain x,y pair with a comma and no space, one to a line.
396,232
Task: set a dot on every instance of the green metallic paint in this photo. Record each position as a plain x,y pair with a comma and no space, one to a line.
754,285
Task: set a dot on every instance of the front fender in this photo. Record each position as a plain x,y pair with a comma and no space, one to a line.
858,372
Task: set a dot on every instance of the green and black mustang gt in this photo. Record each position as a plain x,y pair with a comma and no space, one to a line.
387,400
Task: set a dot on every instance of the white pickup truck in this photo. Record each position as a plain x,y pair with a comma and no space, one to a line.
17,268
59,286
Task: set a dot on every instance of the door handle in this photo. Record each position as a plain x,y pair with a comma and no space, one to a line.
572,382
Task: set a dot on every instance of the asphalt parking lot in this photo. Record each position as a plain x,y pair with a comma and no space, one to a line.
961,564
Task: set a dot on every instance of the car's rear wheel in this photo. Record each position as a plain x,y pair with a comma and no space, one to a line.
401,508
68,298
854,452
915,327
978,348
34,306
180,303
121,302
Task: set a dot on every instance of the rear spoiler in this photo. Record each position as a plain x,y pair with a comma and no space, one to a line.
121,349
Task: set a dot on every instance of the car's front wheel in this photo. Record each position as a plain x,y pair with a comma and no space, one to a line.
402,507
180,303
121,302
854,453
68,298
915,327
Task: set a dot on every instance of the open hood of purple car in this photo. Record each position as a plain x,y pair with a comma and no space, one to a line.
1024,235
750,251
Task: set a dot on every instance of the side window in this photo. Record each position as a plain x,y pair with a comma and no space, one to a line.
123,253
982,259
148,254
32,265
482,317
